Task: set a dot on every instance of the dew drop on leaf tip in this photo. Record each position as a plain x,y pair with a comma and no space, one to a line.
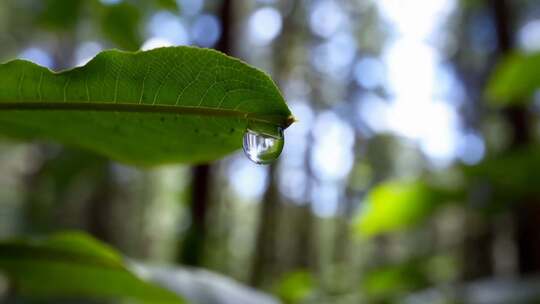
263,148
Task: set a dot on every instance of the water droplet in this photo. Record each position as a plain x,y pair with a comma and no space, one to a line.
263,148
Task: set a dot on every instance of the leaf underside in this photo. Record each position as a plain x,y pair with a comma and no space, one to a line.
176,104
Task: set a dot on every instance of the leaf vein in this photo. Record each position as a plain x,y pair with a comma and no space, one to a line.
66,86
39,86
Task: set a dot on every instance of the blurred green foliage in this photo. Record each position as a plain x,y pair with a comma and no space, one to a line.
395,205
59,15
120,24
515,79
295,287
396,279
390,280
74,265
171,5
511,176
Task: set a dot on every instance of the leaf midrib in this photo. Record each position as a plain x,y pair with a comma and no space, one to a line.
145,108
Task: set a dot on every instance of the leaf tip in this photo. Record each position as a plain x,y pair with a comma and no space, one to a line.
290,120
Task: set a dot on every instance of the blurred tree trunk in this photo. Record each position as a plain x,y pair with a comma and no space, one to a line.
479,258
266,242
265,256
193,245
342,234
478,248
306,244
99,207
192,252
305,255
527,212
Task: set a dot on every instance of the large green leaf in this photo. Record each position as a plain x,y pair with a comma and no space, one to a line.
177,104
73,265
515,79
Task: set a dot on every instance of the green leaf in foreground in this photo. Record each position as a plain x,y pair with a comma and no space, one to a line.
73,265
515,79
177,104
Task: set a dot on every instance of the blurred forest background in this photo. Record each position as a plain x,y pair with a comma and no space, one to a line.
412,175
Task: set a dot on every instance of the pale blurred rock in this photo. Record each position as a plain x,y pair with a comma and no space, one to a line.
201,286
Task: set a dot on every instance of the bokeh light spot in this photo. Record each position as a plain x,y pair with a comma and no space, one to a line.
264,25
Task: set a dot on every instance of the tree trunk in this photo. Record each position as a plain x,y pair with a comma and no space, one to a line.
526,212
193,245
192,252
100,207
265,256
266,242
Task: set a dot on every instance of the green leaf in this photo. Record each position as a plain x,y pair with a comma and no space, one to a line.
74,265
413,273
177,104
395,205
295,287
515,79
394,279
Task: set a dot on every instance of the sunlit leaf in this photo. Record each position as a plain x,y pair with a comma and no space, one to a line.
74,265
177,104
395,205
295,287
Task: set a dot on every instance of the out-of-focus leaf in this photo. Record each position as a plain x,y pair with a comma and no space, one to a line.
394,279
471,4
74,265
515,79
295,287
404,277
511,175
171,5
60,14
177,104
120,24
65,173
395,205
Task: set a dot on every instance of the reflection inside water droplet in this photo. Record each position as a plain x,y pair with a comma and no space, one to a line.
263,148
